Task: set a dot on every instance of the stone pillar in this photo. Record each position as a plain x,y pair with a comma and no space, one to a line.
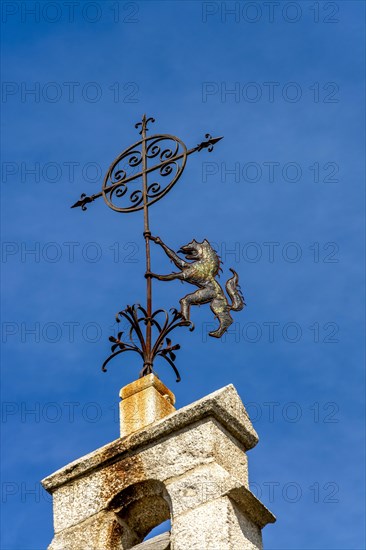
188,465
143,402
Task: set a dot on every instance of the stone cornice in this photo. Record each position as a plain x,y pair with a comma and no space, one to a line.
224,405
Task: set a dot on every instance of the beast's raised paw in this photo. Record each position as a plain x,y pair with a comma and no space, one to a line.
156,240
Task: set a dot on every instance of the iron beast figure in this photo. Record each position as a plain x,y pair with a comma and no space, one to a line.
202,267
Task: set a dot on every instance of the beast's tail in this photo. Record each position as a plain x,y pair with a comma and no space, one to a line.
233,290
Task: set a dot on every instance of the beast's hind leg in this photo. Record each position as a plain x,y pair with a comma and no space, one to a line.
201,296
222,312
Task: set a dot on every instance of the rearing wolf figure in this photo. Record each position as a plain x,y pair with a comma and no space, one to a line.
201,271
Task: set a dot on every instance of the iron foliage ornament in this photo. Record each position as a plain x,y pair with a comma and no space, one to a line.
139,177
163,347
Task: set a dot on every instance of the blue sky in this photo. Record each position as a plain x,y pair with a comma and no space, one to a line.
290,220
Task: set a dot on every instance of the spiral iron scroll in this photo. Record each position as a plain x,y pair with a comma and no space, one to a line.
166,157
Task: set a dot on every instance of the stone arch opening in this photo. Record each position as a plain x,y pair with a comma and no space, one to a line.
140,508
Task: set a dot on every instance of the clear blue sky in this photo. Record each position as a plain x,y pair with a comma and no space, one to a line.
289,219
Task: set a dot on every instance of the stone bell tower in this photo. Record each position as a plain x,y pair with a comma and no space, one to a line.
187,465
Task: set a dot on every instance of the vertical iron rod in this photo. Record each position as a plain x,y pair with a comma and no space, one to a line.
148,363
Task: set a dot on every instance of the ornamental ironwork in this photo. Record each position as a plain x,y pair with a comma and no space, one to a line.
139,177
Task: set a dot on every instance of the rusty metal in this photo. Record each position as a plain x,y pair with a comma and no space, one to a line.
152,165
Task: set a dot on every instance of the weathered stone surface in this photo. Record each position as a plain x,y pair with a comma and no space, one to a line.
161,542
190,466
142,507
204,443
143,402
76,501
215,525
250,506
198,486
224,405
243,530
100,532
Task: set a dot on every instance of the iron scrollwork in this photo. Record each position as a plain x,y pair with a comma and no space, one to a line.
136,316
165,156
140,176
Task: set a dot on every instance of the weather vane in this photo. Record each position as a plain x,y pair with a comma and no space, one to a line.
153,165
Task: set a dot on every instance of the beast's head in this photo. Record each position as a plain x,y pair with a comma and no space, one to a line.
192,250
201,251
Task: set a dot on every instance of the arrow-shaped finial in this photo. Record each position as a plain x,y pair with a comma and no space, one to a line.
209,143
84,200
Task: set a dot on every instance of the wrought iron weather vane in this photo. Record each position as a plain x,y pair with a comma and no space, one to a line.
153,165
